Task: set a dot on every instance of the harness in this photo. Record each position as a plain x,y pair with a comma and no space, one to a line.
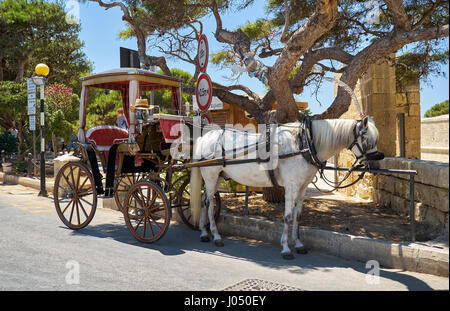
306,148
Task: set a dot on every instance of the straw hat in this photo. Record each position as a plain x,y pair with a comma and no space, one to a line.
141,103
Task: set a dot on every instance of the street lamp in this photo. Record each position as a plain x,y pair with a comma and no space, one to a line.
42,71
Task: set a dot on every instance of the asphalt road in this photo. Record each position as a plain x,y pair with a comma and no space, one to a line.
37,252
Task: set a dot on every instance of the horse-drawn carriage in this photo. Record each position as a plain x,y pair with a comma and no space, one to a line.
147,181
140,173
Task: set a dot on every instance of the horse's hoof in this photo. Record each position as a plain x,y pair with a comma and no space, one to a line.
219,243
301,250
288,256
204,238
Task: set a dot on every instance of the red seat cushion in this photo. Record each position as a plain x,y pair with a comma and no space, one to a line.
104,136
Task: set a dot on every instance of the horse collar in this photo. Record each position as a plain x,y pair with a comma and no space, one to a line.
306,144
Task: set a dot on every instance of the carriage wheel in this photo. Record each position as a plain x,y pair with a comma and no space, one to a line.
147,211
74,195
184,209
123,184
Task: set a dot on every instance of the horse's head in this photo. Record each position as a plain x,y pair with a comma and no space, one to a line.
364,145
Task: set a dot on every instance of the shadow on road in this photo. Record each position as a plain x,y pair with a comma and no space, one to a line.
179,239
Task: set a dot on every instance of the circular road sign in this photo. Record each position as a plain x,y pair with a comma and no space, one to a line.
203,92
202,53
206,118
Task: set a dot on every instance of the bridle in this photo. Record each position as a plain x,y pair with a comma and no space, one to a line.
363,147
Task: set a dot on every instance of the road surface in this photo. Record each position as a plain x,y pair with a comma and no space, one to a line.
37,252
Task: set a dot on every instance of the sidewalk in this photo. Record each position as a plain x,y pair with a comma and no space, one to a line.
430,257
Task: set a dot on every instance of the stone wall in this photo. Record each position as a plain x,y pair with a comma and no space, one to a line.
407,105
434,139
431,191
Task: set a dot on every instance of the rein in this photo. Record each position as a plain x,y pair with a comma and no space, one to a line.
310,154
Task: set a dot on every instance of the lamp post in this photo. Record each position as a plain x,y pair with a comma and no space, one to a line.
42,71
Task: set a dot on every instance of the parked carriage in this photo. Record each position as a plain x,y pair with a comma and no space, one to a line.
147,182
131,164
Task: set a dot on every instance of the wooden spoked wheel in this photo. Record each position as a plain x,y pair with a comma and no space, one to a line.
123,184
74,195
147,211
183,205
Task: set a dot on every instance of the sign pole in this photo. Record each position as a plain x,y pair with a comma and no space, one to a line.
34,154
42,71
43,191
31,95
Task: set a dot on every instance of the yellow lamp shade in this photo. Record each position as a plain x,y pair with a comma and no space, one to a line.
42,70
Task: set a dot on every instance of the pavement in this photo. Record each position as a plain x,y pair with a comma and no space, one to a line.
39,253
431,257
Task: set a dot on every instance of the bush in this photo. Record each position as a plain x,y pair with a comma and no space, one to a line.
8,143
437,110
21,166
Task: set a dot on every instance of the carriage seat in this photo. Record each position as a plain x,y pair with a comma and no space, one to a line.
104,136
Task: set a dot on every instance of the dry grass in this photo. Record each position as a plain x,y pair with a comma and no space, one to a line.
362,219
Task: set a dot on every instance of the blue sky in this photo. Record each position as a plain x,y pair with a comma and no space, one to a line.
100,30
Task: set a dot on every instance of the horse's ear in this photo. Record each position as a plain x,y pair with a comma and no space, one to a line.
365,122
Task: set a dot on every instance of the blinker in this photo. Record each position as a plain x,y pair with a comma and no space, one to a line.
375,156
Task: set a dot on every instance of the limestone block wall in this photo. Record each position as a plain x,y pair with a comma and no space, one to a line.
407,104
434,138
431,191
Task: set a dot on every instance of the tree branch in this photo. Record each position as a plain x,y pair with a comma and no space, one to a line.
380,49
427,14
239,87
401,19
283,38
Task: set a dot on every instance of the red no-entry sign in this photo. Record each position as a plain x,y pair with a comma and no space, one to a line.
202,53
203,92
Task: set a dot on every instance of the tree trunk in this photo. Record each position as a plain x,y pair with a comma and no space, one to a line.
55,149
273,195
1,68
19,145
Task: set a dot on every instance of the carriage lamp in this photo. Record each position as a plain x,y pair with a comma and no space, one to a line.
42,71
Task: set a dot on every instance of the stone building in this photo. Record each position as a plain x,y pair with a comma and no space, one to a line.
396,111
434,139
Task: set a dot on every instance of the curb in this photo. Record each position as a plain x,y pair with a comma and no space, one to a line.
406,255
25,181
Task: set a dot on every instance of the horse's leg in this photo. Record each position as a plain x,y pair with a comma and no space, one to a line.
211,180
299,247
204,236
290,196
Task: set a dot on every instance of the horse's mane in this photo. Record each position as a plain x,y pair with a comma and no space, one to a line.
334,133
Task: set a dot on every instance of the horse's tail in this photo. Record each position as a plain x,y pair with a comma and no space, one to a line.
196,194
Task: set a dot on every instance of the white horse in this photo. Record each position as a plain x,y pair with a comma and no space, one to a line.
294,173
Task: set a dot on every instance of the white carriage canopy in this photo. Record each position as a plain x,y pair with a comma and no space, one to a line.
130,82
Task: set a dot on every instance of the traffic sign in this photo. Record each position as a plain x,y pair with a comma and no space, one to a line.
202,53
203,92
32,119
206,118
31,96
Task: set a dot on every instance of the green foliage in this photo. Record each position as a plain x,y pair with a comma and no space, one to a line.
230,184
61,110
306,112
8,143
36,31
20,166
260,29
163,98
437,110
102,107
226,58
419,64
13,104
